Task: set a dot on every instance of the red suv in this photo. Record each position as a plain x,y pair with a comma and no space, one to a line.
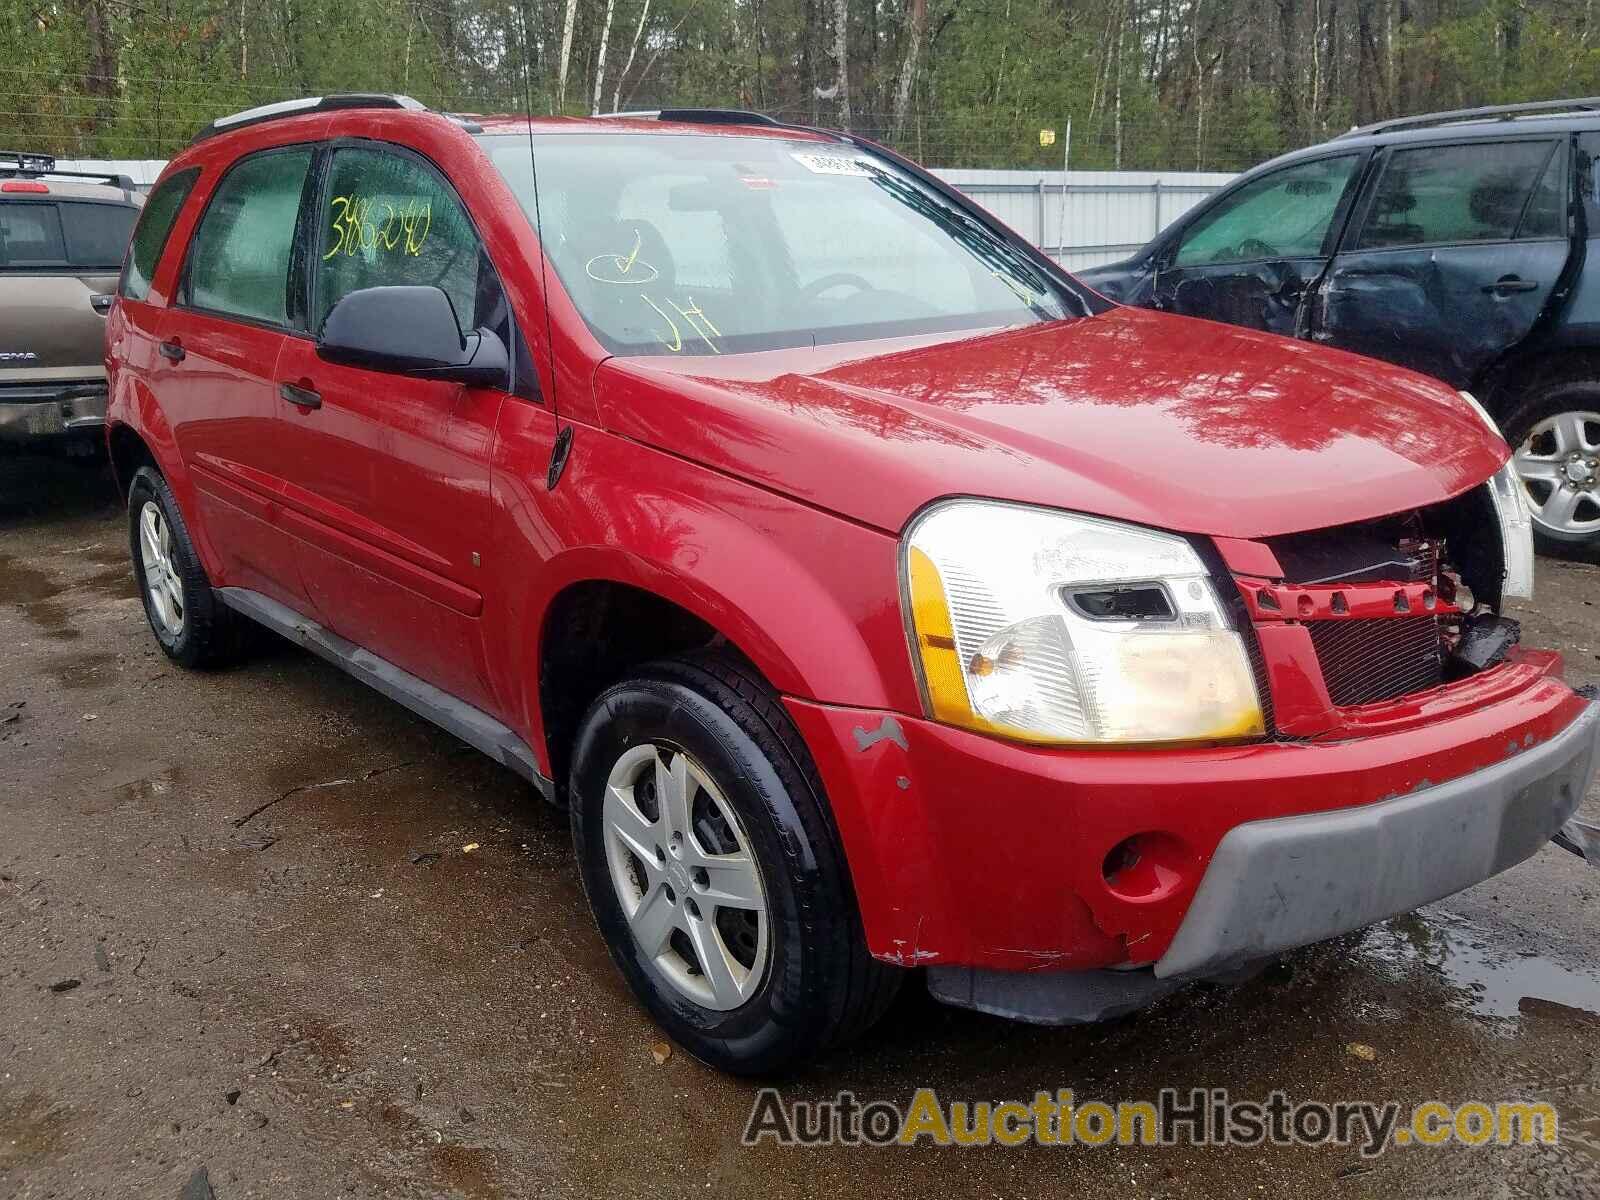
873,594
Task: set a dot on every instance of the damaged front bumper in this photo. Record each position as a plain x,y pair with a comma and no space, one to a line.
992,864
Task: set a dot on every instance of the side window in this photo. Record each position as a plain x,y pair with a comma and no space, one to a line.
239,257
1546,213
30,235
1285,214
150,235
390,220
1474,192
97,234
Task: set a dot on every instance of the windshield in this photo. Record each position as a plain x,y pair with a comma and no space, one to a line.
707,244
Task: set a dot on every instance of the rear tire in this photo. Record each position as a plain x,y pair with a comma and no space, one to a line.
193,627
797,978
1554,431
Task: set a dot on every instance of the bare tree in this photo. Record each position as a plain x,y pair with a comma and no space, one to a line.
916,24
638,32
566,55
841,56
600,63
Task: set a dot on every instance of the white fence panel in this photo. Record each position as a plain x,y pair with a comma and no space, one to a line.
1108,214
143,171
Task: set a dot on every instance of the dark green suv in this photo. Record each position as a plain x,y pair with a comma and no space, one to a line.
1458,244
62,235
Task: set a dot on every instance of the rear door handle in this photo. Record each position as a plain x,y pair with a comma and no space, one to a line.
300,397
173,351
1510,283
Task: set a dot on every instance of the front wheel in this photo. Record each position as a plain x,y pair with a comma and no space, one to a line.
1556,434
712,871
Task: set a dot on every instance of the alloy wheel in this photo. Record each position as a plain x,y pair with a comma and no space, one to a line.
1559,465
687,879
161,581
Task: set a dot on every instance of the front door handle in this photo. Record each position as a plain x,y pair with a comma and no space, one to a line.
173,351
300,397
101,302
1507,284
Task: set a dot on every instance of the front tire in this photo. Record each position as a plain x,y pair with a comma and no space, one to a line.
193,627
1555,435
712,871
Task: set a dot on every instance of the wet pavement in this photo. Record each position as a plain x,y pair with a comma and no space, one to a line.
266,923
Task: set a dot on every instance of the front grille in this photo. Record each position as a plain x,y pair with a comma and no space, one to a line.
1364,661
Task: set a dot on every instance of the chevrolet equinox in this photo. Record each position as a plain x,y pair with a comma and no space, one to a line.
873,595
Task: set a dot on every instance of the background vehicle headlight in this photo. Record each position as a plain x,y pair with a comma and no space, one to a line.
1069,630
1511,510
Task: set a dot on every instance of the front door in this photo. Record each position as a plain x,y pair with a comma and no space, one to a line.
1452,257
392,472
1251,255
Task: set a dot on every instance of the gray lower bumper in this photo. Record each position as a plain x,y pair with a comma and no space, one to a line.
1274,885
51,411
1280,884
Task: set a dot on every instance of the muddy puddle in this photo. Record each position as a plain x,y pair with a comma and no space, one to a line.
1481,974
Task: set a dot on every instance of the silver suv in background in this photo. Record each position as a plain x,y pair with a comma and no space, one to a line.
62,237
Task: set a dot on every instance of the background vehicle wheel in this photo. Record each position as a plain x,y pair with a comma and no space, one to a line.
1555,438
192,625
712,870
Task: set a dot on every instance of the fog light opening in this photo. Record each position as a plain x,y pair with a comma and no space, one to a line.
1146,866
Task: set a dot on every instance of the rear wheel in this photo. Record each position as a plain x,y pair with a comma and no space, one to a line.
712,871
1556,435
194,628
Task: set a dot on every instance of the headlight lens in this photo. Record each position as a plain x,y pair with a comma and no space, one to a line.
1068,630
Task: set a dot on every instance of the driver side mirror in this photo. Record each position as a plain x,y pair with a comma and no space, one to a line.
411,331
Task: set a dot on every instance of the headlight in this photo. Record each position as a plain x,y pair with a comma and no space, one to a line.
1516,523
1069,630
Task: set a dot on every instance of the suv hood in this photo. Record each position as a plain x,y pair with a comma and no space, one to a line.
1162,420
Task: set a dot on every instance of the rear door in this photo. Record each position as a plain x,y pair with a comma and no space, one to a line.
1452,256
214,374
1250,257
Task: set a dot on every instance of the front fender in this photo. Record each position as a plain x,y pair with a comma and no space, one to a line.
809,598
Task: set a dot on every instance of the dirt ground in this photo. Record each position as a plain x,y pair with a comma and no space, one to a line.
243,929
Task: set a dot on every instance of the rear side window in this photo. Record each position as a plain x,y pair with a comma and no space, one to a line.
30,235
97,234
1546,214
1476,192
238,261
155,226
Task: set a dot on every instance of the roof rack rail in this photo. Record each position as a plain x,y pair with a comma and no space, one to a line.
698,116
307,104
716,116
1503,111
17,162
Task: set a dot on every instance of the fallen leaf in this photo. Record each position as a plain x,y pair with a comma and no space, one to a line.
660,1051
1362,1051
469,847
